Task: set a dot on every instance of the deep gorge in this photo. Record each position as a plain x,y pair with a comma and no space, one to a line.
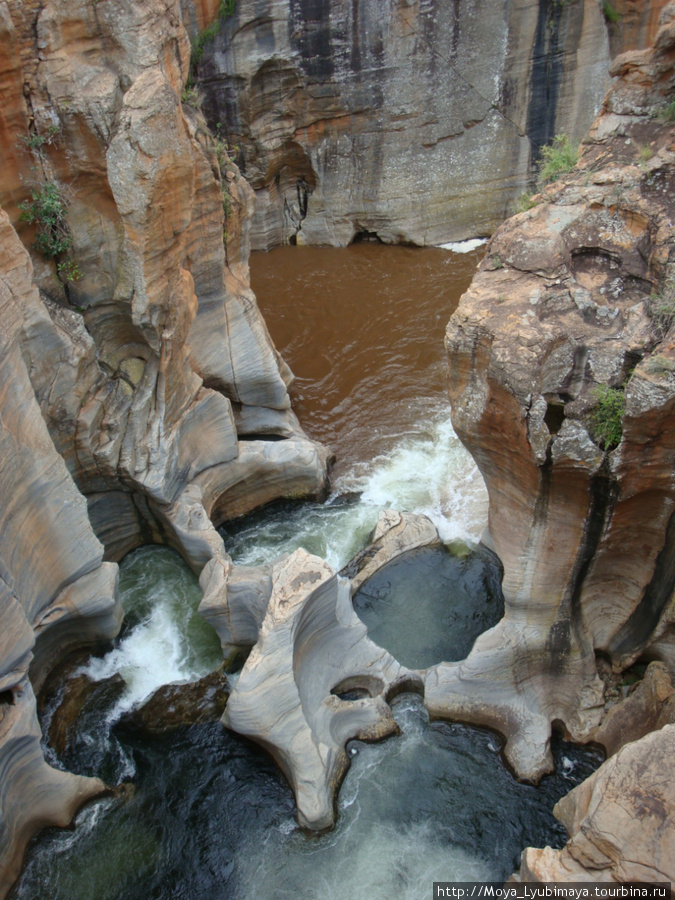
144,401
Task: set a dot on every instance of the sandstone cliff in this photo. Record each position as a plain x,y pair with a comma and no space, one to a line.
135,360
570,314
415,121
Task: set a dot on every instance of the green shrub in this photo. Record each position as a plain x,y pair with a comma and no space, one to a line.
557,158
47,210
225,10
610,14
68,270
608,416
35,141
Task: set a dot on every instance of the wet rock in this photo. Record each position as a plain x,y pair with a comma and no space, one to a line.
395,533
335,112
120,357
312,651
176,705
74,694
56,592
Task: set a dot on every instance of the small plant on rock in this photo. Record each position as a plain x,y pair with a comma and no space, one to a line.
191,96
667,114
659,365
645,153
526,202
662,306
34,141
225,10
607,421
47,209
558,157
611,14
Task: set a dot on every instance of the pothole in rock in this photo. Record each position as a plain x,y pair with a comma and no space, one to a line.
429,605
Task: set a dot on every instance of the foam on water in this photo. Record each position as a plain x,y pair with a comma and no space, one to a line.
169,641
373,851
464,246
431,473
426,471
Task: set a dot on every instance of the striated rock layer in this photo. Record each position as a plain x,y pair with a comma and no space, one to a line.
55,590
313,681
573,297
414,121
135,360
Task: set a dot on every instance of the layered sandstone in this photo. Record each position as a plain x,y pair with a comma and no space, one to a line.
575,296
135,359
619,821
413,121
56,591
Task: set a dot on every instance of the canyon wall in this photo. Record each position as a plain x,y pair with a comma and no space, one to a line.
135,360
561,380
415,120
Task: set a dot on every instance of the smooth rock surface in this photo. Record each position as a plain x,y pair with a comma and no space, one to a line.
395,533
312,648
121,357
55,590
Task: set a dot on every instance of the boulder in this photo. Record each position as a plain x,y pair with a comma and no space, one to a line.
619,821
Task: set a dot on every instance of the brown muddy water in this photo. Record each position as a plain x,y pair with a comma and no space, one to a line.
362,329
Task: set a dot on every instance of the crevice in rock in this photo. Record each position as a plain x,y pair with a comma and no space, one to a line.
554,415
365,237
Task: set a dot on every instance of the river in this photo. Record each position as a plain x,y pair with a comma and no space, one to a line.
209,816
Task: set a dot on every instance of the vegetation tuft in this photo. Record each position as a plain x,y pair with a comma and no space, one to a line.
611,14
36,142
225,10
607,421
662,306
47,209
526,202
659,365
558,157
667,114
191,96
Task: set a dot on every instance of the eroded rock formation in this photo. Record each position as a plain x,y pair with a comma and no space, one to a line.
560,311
55,590
313,681
412,120
135,359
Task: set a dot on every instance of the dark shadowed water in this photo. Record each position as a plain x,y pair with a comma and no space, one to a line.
210,817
